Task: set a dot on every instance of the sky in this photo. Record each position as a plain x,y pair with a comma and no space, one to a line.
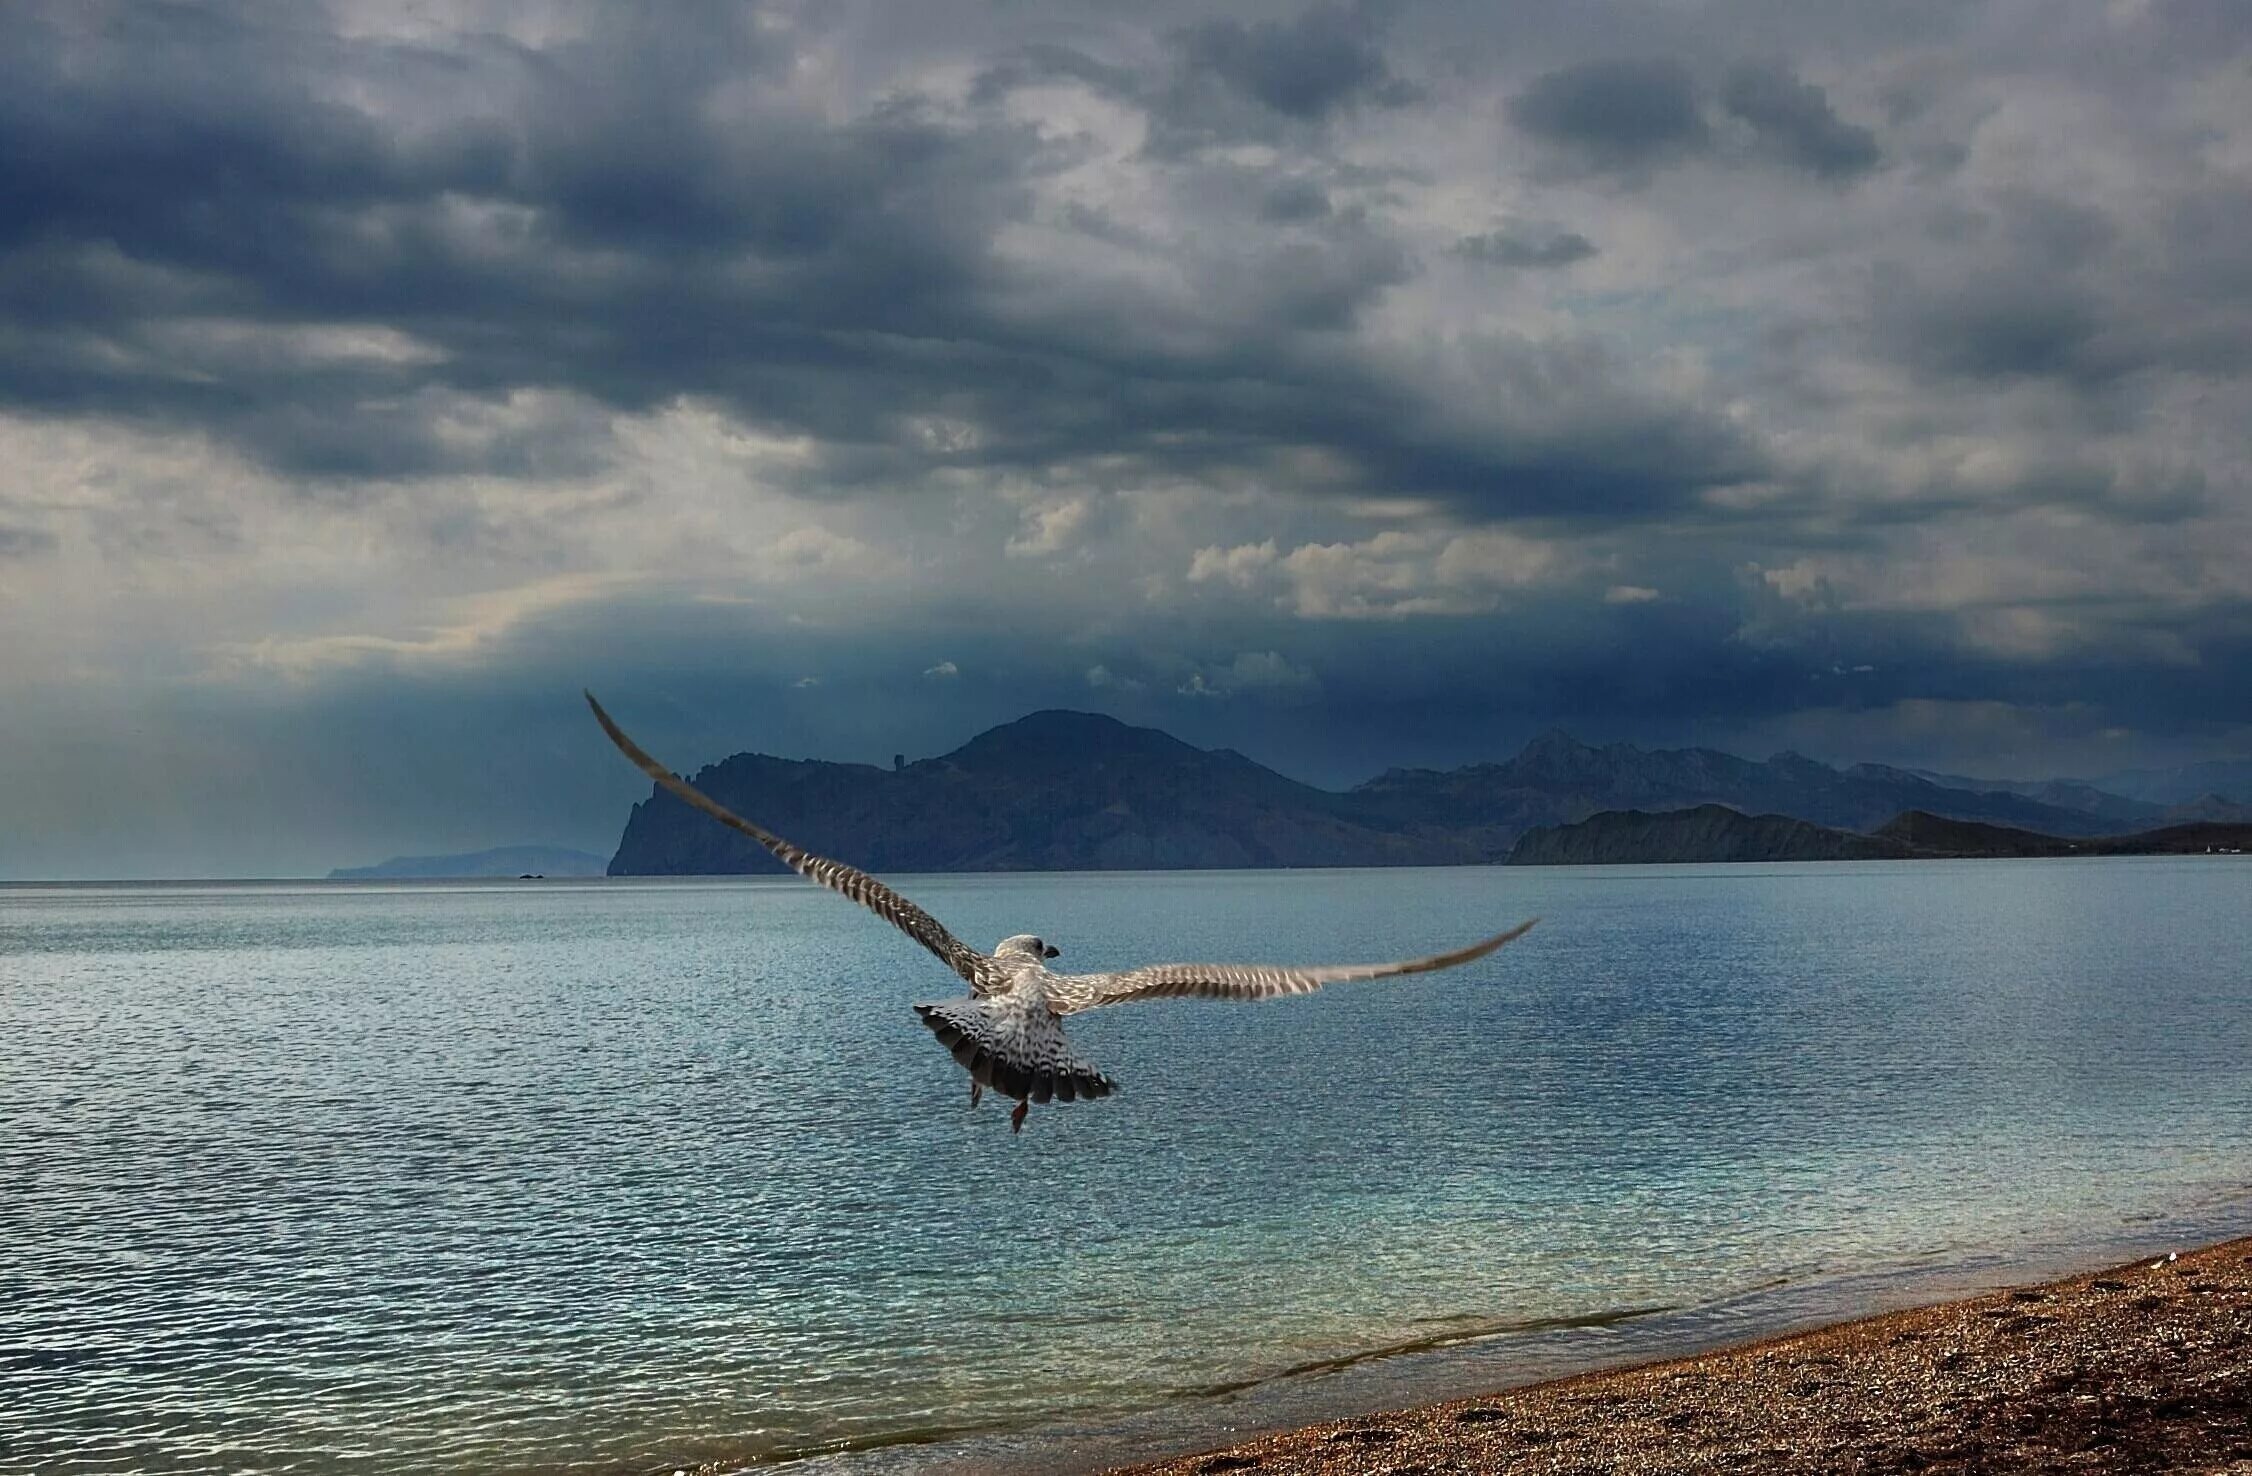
1352,385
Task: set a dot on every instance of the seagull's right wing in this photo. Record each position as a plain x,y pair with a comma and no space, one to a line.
887,904
1069,994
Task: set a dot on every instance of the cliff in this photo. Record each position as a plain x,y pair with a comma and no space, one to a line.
1050,792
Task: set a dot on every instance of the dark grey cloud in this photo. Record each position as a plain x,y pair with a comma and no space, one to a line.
2037,286
1227,81
1627,116
390,371
1030,66
1792,121
1619,115
1294,200
613,238
2049,232
1579,440
1994,325
2212,277
834,278
1231,82
1527,246
20,542
1309,67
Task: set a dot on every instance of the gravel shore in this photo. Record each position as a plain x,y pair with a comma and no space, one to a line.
2147,1367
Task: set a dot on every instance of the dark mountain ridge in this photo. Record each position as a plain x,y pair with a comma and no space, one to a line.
1051,791
1716,833
1704,833
2067,794
1557,779
2179,785
2128,793
1058,790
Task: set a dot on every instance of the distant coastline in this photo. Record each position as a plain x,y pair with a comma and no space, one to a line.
1076,791
501,861
1715,833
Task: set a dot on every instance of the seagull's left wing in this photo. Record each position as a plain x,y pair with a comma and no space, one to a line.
1068,994
974,967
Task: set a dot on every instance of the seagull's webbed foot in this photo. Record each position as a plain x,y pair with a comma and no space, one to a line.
976,1092
1016,1118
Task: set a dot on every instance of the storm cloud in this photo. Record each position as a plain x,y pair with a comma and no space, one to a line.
1792,120
833,380
1521,246
1615,114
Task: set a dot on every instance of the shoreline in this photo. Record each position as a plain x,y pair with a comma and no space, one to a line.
1381,1383
2145,1366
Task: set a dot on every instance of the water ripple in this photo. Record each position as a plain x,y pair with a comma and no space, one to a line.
623,1177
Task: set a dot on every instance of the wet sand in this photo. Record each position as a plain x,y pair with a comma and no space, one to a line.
2141,1368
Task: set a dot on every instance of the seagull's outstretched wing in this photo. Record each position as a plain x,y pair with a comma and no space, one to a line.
887,904
1069,994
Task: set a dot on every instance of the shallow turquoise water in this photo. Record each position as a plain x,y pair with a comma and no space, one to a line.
631,1175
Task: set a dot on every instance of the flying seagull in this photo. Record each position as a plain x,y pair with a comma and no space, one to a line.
1007,1032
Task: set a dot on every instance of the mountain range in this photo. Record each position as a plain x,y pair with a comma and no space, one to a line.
500,861
1716,833
1060,790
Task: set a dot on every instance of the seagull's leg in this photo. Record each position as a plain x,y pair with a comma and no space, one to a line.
976,1091
1016,1118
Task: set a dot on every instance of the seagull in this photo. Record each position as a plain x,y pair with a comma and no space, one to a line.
1007,1032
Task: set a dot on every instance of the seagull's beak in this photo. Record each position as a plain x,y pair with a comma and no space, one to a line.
1054,952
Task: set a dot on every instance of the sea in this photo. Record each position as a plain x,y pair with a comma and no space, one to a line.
649,1175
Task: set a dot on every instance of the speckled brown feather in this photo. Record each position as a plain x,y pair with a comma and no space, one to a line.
1070,993
1013,1045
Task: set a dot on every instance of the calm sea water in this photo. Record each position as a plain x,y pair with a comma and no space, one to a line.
630,1176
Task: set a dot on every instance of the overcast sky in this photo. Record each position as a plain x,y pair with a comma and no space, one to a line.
1351,385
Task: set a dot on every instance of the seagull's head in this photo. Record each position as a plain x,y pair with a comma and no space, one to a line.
1024,945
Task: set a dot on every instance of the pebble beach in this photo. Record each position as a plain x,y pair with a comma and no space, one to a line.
2143,1367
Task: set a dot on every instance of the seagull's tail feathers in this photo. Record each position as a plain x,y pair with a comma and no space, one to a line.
1028,1059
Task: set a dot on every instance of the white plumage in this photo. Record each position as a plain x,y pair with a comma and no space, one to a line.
1008,1032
